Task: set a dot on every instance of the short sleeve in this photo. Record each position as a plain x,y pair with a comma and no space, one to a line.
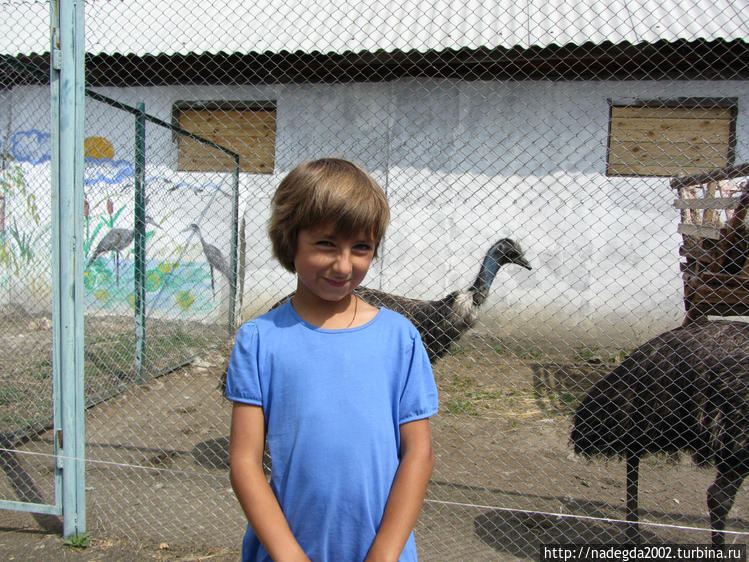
242,376
419,398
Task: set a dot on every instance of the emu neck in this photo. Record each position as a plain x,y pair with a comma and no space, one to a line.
483,282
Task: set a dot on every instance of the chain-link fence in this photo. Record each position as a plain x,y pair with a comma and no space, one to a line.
544,135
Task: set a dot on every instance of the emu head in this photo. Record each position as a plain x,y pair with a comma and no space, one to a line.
502,252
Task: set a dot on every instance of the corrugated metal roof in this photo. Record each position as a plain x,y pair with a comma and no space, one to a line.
154,27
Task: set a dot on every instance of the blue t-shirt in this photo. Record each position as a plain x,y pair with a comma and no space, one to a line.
333,402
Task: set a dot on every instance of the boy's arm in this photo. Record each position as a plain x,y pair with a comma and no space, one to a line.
258,501
407,493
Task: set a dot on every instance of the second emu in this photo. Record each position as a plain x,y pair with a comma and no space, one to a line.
684,390
442,322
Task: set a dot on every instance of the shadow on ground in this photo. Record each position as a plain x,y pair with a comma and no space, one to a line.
522,534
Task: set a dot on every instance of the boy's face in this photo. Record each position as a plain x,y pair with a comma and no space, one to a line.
330,266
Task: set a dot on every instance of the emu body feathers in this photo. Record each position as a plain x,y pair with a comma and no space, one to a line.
684,390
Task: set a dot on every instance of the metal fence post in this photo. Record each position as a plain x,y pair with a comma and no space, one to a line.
67,113
234,243
140,240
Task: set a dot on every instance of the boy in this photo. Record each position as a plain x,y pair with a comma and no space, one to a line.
341,390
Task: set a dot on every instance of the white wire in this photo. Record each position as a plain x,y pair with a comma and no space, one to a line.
572,516
433,501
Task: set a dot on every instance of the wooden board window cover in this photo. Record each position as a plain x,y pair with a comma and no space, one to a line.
250,132
669,141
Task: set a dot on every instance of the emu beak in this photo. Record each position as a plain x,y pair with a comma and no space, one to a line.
522,262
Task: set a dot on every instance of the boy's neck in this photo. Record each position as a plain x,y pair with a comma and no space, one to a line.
349,312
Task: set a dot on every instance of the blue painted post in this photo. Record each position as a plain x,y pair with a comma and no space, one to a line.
54,94
67,95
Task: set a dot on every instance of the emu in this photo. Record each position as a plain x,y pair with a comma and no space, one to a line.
684,390
441,322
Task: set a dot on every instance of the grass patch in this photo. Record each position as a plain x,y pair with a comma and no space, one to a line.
115,355
109,363
525,353
462,395
456,350
459,407
461,383
558,403
9,394
78,541
593,353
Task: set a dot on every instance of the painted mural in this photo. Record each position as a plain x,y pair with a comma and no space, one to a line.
186,275
21,229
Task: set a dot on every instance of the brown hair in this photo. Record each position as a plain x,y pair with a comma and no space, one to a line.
329,190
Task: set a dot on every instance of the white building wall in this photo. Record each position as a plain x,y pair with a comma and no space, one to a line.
464,164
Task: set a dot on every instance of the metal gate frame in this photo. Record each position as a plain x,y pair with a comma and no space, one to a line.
67,85
67,94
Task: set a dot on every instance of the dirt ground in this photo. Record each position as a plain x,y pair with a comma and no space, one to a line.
506,480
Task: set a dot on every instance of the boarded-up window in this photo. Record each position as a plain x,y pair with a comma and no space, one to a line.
658,140
246,129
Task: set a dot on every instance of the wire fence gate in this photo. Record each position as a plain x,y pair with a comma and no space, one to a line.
609,143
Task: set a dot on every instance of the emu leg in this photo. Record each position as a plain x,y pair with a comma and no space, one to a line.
213,287
633,469
720,497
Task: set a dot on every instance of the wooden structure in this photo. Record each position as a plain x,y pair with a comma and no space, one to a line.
663,140
249,129
715,235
